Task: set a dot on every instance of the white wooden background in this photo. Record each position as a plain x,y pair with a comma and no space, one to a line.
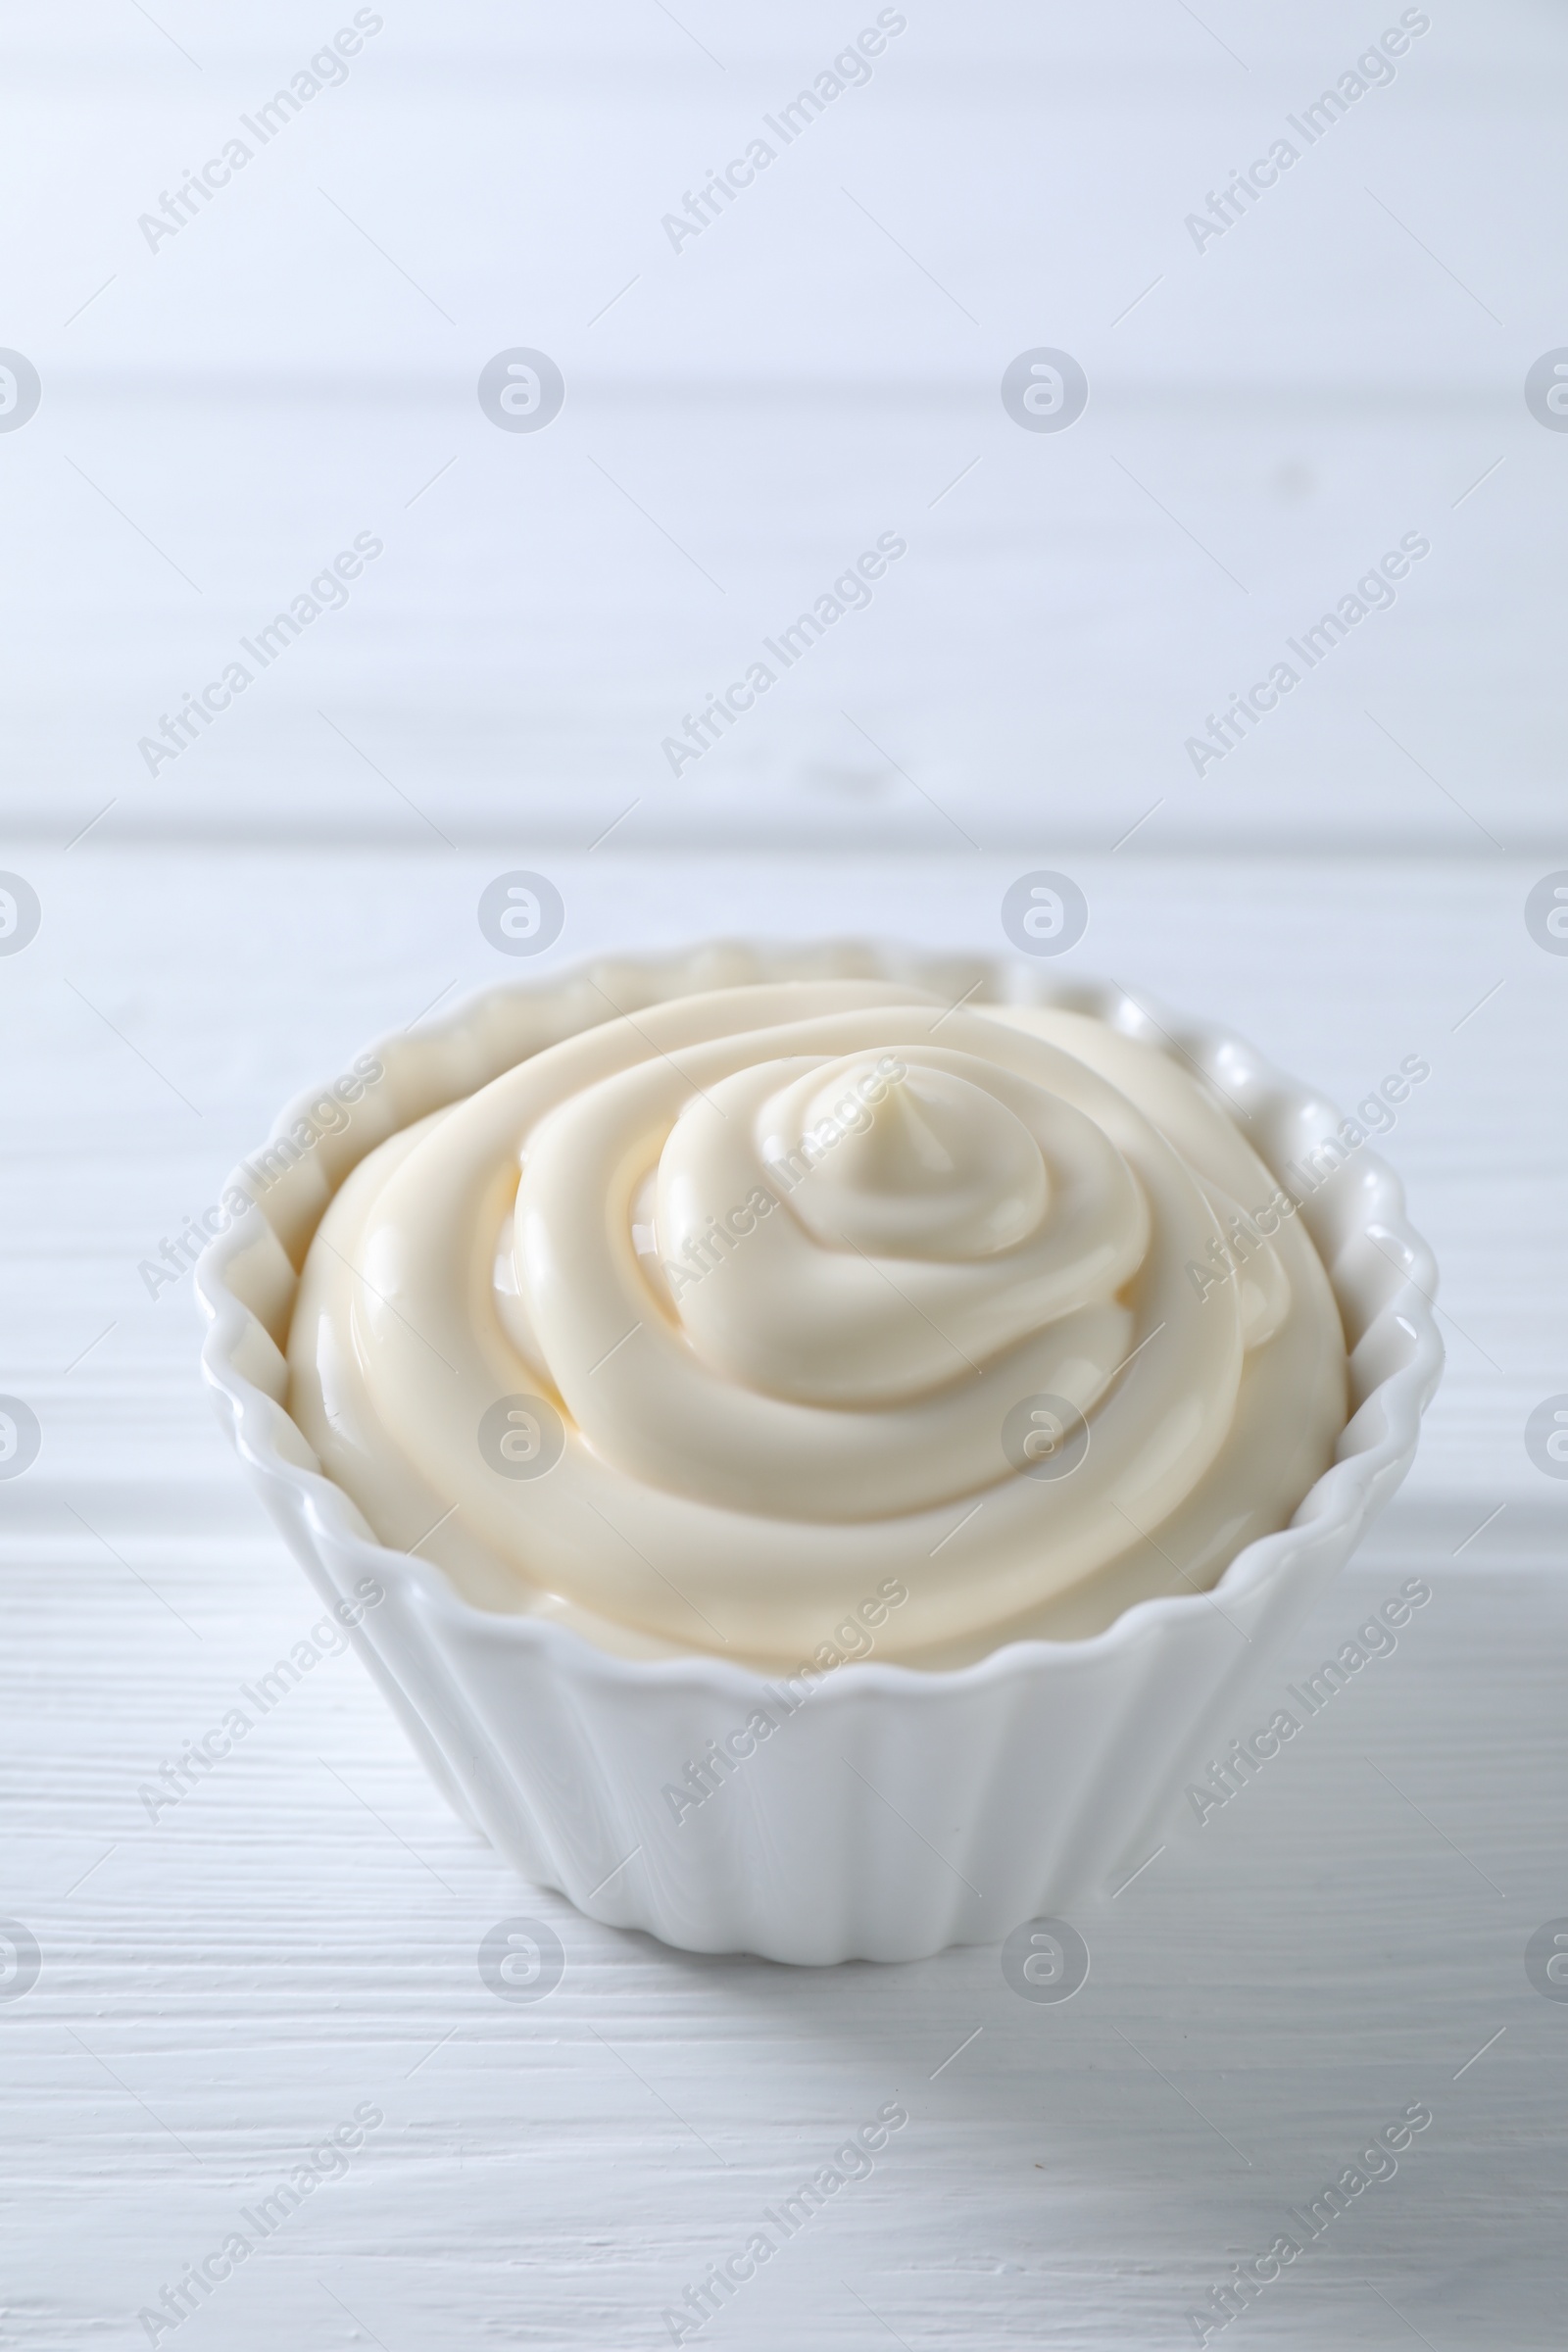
219,1989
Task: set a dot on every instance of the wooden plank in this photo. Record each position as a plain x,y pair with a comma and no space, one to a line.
299,1935
193,992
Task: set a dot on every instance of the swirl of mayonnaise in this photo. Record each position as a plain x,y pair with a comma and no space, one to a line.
785,1295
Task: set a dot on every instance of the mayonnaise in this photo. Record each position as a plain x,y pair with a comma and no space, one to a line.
699,1325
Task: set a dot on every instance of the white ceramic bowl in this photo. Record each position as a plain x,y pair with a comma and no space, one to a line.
899,1811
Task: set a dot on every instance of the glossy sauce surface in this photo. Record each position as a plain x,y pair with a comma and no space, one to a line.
704,1326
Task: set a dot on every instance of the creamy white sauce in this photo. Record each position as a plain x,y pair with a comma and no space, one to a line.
781,1296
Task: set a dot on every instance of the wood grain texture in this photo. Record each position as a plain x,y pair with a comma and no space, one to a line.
225,1979
299,1934
193,991
1267,417
222,1985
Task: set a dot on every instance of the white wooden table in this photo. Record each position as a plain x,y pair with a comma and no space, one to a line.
224,1981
